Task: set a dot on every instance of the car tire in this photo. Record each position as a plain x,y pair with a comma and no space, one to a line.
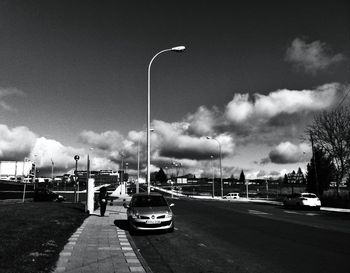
171,229
299,206
132,231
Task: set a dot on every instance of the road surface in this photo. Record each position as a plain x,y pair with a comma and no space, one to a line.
214,236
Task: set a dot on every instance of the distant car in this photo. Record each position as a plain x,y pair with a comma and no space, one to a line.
302,200
232,195
149,212
47,195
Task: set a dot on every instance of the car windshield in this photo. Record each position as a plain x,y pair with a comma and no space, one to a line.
309,195
149,201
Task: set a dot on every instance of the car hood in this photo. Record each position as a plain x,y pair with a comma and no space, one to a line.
151,210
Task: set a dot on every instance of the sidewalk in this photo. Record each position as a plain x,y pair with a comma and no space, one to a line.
99,246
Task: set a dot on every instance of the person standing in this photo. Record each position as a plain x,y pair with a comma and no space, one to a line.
102,198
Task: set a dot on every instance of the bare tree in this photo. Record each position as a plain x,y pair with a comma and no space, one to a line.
330,131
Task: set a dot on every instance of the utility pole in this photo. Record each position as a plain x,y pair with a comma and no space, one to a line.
314,160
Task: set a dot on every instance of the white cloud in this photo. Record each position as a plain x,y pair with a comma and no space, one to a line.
202,122
287,152
16,143
104,141
46,150
240,108
312,57
283,101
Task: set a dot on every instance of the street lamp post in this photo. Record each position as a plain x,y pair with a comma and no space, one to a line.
212,165
138,166
176,49
34,177
221,184
76,158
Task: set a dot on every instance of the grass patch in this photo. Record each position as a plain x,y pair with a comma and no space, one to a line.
33,234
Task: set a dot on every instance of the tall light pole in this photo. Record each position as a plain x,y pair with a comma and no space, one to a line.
222,187
52,165
34,177
176,49
212,165
138,166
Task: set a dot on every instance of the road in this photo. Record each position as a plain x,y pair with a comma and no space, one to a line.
214,236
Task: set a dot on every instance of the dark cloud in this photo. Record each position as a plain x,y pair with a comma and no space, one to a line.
265,161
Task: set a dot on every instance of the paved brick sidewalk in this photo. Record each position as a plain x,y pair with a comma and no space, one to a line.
99,246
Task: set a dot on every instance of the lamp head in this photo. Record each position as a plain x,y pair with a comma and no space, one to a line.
208,137
178,48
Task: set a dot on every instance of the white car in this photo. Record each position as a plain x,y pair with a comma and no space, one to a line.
149,212
300,200
232,195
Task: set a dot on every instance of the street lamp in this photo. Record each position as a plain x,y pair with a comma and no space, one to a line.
212,166
222,188
138,166
176,49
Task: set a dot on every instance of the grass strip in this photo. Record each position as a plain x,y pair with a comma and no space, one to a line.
33,234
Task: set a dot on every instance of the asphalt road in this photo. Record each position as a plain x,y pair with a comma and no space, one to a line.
212,236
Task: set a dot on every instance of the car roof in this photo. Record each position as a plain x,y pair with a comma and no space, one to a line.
146,194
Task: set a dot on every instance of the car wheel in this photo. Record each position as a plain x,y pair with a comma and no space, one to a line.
132,231
171,229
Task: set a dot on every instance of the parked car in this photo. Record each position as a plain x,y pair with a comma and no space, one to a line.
149,212
300,200
232,195
47,195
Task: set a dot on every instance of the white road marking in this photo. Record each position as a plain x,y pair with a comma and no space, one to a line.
292,212
312,214
202,245
257,212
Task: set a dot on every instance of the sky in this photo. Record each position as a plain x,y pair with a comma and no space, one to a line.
73,81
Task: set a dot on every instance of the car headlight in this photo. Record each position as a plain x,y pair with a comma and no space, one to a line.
135,215
169,214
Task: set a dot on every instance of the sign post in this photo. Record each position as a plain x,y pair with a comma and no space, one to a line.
76,158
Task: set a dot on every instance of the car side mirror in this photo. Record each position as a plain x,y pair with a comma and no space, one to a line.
171,205
126,205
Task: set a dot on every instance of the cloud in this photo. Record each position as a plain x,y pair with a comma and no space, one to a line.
45,151
173,141
104,141
287,152
312,57
261,173
9,92
240,108
202,122
16,143
264,107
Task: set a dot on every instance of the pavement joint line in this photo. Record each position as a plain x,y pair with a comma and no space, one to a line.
129,254
99,246
136,269
126,248
132,261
